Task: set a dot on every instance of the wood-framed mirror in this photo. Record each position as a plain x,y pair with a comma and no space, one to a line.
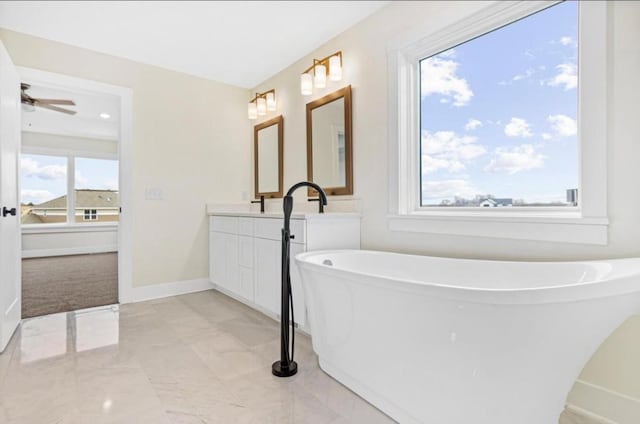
330,144
268,153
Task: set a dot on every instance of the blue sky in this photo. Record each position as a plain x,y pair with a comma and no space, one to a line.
45,177
498,113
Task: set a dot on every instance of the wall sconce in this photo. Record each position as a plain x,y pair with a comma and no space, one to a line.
261,103
316,74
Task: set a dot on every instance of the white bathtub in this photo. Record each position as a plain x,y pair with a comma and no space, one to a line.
453,341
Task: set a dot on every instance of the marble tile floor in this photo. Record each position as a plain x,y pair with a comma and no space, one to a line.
196,358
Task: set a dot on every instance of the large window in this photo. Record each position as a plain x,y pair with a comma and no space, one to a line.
47,181
488,135
498,116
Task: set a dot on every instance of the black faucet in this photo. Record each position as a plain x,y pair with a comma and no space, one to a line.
261,201
320,204
286,366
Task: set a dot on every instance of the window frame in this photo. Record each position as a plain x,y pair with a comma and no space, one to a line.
587,223
70,222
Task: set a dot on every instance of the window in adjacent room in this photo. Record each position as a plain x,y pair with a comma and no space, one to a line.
46,180
96,189
43,189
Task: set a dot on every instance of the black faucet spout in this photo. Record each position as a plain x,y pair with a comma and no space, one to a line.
316,187
261,201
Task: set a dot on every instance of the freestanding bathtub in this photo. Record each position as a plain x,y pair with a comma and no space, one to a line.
453,341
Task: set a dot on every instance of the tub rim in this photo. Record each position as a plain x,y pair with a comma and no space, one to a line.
617,282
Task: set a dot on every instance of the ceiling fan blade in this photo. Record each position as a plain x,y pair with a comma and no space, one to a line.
55,108
55,102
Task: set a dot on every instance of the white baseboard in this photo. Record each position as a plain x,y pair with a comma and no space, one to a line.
602,404
156,291
66,251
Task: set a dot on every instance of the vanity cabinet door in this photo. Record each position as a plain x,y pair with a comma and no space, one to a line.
246,284
267,274
225,270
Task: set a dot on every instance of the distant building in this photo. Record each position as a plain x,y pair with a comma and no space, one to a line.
91,206
493,202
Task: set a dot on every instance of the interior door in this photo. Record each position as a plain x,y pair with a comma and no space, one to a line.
10,242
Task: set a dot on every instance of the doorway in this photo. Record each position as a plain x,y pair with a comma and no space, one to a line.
74,188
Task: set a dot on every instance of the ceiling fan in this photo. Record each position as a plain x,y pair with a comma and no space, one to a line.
45,103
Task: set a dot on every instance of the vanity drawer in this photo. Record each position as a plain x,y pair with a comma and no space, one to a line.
224,224
271,229
245,226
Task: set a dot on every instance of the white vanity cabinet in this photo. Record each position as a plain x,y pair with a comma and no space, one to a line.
245,254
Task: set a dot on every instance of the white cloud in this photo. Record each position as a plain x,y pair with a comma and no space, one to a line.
447,188
515,159
526,74
448,150
81,181
431,164
566,41
567,77
31,168
518,127
563,125
546,136
35,196
472,124
110,185
439,77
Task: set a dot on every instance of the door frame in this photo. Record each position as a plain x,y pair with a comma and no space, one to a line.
125,147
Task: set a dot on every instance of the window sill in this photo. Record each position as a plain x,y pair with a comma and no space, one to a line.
566,227
66,228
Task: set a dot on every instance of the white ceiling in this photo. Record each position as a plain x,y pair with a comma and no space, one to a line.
85,123
236,42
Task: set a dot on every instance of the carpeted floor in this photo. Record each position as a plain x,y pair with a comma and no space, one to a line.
67,283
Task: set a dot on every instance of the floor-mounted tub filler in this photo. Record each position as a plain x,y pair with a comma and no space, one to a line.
454,341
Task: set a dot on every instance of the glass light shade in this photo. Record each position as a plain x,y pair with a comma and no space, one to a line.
335,68
271,101
320,79
261,106
306,84
253,111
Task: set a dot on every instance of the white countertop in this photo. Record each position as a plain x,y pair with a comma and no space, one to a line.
253,211
298,215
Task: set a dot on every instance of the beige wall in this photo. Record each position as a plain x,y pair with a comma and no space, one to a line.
365,68
189,139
